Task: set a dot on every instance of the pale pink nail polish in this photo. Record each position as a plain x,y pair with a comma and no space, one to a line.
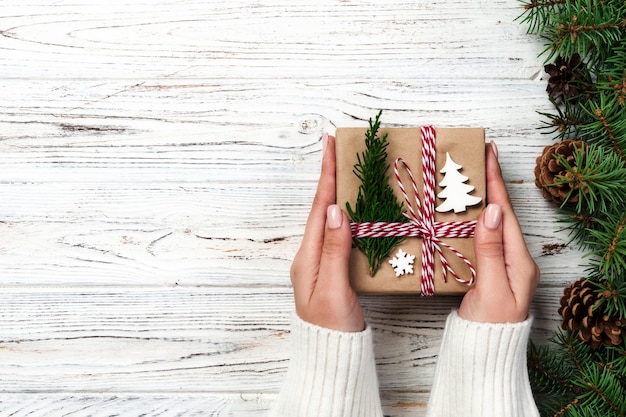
494,148
493,216
334,216
324,143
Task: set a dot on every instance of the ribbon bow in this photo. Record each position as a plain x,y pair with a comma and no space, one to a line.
422,221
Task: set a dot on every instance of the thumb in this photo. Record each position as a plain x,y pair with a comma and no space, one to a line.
334,265
489,249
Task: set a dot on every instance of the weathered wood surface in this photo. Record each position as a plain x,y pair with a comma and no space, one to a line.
157,164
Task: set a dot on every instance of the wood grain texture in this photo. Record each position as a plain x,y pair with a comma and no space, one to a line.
196,340
196,234
137,404
237,131
276,39
157,163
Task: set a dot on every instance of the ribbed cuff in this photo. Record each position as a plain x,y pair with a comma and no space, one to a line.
330,373
481,371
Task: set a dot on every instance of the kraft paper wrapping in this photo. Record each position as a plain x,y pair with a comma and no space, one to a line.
467,148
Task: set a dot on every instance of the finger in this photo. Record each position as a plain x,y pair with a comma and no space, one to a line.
523,280
497,194
324,197
489,250
496,189
334,265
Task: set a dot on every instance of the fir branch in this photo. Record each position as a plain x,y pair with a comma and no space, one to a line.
585,380
538,13
613,297
550,383
603,235
612,77
616,360
568,120
586,27
578,225
552,371
534,4
588,383
567,407
375,200
605,393
617,86
597,179
616,240
608,124
576,352
570,379
610,241
541,361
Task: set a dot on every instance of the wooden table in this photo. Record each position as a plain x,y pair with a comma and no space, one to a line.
157,163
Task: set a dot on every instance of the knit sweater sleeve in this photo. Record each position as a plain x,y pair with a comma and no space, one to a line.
481,371
330,373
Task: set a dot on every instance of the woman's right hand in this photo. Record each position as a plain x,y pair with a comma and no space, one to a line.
507,276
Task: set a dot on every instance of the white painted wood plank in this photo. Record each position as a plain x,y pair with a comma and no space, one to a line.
194,340
106,405
395,404
207,235
275,39
238,132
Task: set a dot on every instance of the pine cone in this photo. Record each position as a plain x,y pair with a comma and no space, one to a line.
548,168
565,77
595,328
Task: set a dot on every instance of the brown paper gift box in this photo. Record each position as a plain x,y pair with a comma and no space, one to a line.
467,148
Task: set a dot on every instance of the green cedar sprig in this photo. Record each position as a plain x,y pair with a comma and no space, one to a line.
375,200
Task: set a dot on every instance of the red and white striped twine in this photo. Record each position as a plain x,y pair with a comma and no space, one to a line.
422,221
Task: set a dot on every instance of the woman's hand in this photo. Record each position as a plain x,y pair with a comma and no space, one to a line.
319,272
507,276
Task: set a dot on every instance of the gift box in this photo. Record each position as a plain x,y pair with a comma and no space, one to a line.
460,153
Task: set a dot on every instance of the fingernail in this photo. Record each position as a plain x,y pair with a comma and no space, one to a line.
493,216
324,143
334,216
494,148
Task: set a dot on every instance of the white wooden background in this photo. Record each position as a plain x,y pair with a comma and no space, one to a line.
158,159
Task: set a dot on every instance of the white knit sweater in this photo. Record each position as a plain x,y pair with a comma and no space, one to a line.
481,371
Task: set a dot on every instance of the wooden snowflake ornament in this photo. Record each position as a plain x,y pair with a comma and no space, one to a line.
455,191
402,263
